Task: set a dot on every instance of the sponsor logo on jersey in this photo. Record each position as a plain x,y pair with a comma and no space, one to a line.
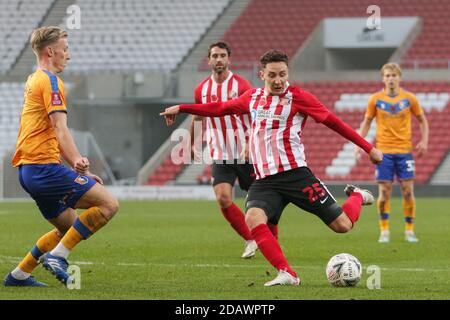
269,115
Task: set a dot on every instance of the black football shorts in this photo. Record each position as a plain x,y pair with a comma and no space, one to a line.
298,186
228,173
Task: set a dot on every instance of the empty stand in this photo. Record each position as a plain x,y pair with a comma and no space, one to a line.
17,21
11,98
127,35
286,24
347,100
165,173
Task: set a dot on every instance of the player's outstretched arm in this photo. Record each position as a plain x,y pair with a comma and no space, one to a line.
364,129
375,155
308,104
170,114
213,109
336,124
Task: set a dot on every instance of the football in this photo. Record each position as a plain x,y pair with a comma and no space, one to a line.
344,270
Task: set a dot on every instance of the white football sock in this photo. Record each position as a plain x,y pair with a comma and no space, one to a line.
60,251
19,274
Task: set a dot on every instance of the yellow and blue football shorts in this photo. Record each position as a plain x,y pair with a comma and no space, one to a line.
400,165
54,187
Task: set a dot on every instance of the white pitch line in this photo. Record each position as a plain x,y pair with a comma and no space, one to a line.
9,259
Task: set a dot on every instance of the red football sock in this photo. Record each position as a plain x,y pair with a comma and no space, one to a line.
236,218
352,207
270,248
274,229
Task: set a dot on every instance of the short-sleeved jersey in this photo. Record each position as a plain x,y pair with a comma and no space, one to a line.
37,142
228,135
393,117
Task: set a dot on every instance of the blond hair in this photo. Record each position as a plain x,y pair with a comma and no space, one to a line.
393,67
45,36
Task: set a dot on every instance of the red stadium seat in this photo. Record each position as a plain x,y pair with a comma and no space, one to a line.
252,30
314,138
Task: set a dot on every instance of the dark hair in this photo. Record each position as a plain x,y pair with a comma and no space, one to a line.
273,56
220,44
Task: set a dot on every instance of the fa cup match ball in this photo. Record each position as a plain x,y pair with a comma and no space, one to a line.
344,270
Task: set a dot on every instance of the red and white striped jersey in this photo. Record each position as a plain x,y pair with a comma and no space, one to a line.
226,136
277,124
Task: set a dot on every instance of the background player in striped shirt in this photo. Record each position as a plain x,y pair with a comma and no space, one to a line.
393,108
279,112
227,139
57,190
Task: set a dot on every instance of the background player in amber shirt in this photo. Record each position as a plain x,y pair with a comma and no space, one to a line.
393,108
57,190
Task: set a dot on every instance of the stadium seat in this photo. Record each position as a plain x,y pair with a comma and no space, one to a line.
316,136
11,99
165,173
17,20
138,35
253,29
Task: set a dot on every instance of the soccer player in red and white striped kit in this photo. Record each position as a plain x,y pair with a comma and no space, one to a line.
278,112
227,137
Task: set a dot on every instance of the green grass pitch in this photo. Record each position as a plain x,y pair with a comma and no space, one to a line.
186,250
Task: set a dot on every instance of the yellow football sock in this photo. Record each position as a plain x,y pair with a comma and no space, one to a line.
89,222
409,209
384,208
45,243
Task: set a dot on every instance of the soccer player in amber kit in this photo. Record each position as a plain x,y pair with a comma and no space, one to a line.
56,189
393,108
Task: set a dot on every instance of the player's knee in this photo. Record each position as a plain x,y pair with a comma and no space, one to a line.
224,200
342,228
110,207
114,206
253,219
382,202
408,194
341,225
385,195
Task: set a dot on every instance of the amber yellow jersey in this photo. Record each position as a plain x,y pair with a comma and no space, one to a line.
37,142
393,117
